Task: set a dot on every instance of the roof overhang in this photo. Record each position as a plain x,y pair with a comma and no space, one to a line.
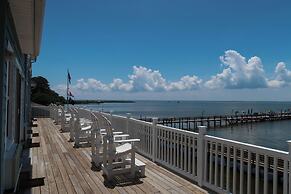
28,18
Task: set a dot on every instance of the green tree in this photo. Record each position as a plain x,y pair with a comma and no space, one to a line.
42,94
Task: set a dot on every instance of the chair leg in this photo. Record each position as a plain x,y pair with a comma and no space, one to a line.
132,165
142,172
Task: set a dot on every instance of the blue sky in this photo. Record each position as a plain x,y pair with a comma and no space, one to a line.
168,49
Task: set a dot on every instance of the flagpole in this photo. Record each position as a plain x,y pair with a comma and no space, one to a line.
67,89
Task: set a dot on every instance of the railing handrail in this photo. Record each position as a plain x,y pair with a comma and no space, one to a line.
141,122
176,129
250,147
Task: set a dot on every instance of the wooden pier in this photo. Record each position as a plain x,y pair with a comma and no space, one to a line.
218,121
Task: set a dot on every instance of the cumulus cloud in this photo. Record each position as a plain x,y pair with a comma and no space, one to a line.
142,79
186,83
282,76
91,84
239,73
119,85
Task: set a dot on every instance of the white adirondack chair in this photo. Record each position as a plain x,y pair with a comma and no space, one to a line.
53,110
72,123
58,114
65,120
119,159
98,126
82,128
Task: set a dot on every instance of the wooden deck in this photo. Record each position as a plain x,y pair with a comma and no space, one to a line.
52,165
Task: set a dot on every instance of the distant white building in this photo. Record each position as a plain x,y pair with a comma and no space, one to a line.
20,36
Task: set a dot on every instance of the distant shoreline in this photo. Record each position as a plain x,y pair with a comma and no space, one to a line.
102,101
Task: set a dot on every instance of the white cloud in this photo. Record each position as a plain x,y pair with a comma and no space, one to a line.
144,79
186,83
141,80
91,84
239,73
282,76
119,85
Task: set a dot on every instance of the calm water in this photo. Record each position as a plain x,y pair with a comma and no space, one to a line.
269,134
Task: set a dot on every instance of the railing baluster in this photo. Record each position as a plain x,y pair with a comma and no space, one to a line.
249,173
181,152
234,171
221,166
241,179
194,157
216,165
266,174
205,162
210,162
285,177
275,172
175,148
171,148
227,167
148,139
289,146
163,144
185,153
178,150
151,137
158,143
189,155
167,146
168,151
257,182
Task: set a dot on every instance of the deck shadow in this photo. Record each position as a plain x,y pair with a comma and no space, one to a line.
83,145
33,145
122,181
30,183
95,168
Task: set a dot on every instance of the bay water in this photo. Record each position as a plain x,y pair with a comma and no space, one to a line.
272,134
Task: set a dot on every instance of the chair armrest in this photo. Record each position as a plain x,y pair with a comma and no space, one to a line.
117,132
127,141
86,128
121,135
114,133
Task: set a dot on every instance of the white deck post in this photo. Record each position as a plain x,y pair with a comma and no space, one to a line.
289,149
154,133
72,127
200,154
128,116
110,118
63,120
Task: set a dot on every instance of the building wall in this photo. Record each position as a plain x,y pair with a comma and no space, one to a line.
3,4
15,74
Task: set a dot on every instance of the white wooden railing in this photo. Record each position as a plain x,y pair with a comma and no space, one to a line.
222,165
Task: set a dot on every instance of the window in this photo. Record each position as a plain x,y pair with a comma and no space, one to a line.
10,104
17,107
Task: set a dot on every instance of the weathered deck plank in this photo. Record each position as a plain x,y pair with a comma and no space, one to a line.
69,170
